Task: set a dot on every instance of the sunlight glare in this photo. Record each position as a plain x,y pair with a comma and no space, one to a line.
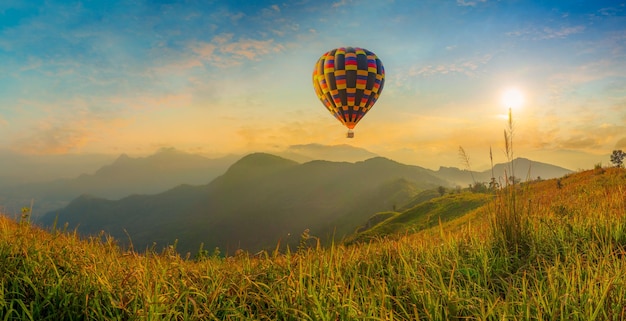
513,98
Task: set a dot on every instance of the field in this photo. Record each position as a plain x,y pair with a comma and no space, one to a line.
541,250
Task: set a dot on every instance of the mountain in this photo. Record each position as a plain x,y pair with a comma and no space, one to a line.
336,153
524,169
161,171
260,200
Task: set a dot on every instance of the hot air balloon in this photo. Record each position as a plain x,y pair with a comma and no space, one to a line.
348,81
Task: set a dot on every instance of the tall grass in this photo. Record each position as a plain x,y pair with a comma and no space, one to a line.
509,224
572,268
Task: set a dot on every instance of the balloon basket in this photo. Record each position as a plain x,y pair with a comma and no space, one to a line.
350,134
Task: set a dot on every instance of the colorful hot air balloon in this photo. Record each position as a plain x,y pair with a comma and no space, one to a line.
348,81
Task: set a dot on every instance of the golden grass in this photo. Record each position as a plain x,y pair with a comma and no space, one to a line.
573,268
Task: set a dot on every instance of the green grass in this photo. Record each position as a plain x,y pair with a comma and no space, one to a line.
420,217
572,266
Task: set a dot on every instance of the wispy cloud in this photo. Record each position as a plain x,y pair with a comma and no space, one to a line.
469,3
271,11
621,144
341,3
547,32
52,127
612,11
224,51
235,17
60,136
584,134
468,67
52,140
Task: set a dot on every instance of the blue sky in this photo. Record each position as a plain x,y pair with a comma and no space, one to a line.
219,77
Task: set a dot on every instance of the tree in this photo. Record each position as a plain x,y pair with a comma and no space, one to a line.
441,190
617,158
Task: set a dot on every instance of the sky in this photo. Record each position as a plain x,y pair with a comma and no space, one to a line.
232,77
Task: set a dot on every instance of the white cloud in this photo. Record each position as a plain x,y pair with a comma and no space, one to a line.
549,33
224,51
546,32
467,3
468,67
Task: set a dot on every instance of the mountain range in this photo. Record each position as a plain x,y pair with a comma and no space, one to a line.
33,179
260,201
125,176
331,190
522,168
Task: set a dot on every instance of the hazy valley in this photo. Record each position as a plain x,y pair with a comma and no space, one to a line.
253,202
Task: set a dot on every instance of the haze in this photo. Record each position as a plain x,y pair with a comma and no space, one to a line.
233,77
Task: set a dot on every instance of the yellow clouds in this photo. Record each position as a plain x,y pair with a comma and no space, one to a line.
55,136
155,101
621,144
87,125
52,140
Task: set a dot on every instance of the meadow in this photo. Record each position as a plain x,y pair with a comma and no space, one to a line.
541,250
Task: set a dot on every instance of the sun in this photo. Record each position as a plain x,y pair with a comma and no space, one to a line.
512,98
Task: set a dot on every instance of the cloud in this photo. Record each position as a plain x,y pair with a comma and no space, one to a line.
621,144
549,33
271,11
546,32
224,51
341,3
611,11
52,140
235,17
468,67
578,142
585,136
56,127
467,3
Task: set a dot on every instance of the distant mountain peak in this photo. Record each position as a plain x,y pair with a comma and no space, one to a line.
168,150
260,156
123,158
523,168
337,153
380,159
256,163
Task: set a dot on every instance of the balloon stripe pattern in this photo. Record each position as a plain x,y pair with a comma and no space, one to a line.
348,81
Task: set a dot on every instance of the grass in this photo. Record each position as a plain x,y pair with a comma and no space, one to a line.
571,267
420,217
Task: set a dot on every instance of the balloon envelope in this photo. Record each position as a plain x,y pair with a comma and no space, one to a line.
348,81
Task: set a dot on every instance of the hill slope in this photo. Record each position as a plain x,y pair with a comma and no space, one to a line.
422,216
571,267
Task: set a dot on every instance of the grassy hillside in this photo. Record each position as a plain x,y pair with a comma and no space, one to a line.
422,216
549,250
